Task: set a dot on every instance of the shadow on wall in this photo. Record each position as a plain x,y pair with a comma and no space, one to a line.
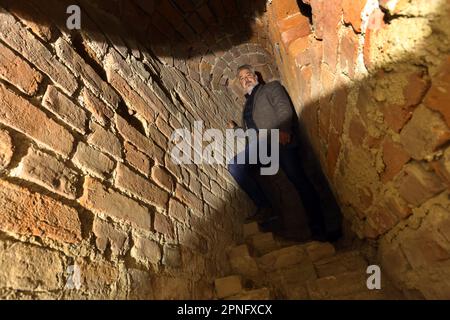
176,29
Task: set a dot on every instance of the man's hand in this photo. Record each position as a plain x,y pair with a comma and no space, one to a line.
231,124
285,138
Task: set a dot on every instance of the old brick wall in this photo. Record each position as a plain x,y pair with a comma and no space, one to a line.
89,195
370,81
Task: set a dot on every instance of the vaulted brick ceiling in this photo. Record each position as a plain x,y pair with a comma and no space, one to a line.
186,33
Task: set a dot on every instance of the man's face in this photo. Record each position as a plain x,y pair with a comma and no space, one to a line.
247,79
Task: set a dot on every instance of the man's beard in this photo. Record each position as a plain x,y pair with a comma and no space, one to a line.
250,89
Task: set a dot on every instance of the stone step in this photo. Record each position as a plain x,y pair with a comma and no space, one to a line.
228,286
257,294
243,263
282,258
335,287
262,243
294,277
340,263
319,250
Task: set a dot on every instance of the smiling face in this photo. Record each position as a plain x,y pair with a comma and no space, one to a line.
248,80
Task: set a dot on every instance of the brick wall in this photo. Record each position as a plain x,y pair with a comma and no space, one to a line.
86,117
370,83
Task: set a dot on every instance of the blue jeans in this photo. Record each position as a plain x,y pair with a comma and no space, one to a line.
290,163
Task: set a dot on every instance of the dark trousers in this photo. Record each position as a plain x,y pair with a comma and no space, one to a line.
291,164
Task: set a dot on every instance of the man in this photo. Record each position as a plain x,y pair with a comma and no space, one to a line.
268,107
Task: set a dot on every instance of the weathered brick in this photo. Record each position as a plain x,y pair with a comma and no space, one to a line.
417,185
163,178
158,137
140,141
139,283
195,186
283,9
172,256
133,100
349,52
192,240
97,275
339,110
22,116
81,69
93,161
27,267
31,16
106,234
100,110
298,46
65,109
164,127
164,225
172,287
17,72
394,158
424,133
442,167
188,198
105,140
376,23
146,250
27,213
352,12
326,29
397,115
47,171
102,200
381,220
212,199
438,97
177,210
6,149
293,28
137,159
334,148
140,187
357,132
21,40
397,206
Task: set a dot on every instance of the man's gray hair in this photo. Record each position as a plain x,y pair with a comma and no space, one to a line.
245,67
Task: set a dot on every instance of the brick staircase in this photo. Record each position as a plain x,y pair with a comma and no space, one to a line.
267,268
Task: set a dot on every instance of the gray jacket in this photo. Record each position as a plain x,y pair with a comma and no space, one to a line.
272,108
